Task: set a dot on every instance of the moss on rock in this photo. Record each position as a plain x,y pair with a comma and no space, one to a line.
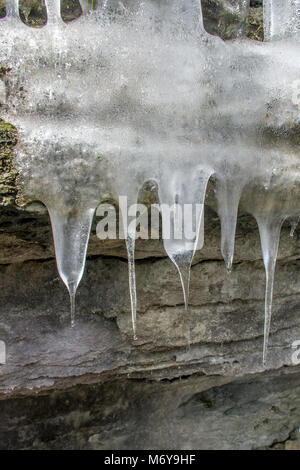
8,174
255,24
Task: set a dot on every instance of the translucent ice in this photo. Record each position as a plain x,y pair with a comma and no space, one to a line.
271,206
230,183
71,232
138,91
182,192
12,9
130,245
269,229
53,12
281,18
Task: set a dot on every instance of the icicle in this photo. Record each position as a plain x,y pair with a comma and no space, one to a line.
53,12
228,195
183,264
281,18
130,237
122,180
178,195
71,232
130,245
269,228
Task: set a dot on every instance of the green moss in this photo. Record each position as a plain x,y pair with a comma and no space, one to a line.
255,24
8,174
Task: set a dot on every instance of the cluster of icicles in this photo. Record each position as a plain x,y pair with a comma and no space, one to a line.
181,171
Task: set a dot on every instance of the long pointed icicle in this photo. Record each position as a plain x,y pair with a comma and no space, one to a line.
71,234
269,229
130,238
281,18
228,195
183,262
53,12
130,245
180,249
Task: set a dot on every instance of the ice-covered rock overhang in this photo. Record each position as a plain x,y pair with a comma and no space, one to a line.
138,91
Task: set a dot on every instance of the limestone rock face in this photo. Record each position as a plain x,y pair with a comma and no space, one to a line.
196,412
98,358
101,389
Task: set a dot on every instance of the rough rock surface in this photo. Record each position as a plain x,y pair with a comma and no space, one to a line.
197,412
93,387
